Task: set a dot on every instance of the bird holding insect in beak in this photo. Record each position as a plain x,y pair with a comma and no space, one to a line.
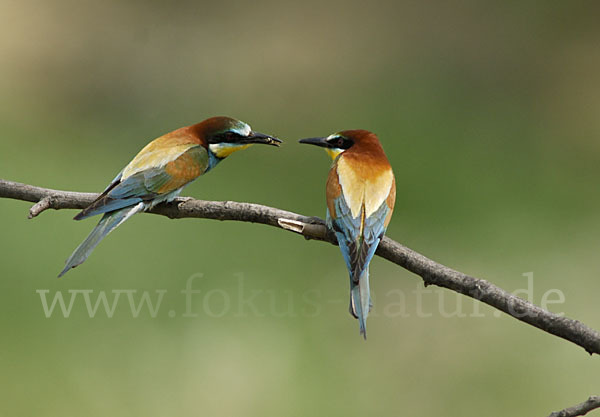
159,172
361,192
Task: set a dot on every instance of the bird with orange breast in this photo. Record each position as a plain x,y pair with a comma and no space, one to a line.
159,172
361,192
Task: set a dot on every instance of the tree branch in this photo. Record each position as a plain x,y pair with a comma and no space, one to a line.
580,409
430,271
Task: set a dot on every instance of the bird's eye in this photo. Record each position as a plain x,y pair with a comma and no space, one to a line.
340,142
230,136
337,142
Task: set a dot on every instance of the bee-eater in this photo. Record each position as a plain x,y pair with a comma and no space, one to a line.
361,192
159,172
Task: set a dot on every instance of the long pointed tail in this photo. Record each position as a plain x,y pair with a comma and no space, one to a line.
360,301
108,223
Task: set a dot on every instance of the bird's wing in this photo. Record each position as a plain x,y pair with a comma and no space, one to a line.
358,231
358,237
381,191
373,231
347,230
346,223
146,183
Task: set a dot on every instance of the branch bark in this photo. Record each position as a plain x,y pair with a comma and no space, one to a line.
580,409
430,271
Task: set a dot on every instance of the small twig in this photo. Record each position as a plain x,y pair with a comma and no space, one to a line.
430,271
582,409
313,230
292,225
44,204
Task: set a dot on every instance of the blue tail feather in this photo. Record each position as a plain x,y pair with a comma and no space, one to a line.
107,224
360,301
107,206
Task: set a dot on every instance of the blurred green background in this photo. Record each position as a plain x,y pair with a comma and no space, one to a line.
488,112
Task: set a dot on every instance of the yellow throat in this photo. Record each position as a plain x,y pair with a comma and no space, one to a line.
223,150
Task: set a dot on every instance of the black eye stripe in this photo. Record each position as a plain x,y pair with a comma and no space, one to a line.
341,142
226,137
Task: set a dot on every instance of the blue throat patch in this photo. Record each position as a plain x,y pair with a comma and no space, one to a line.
213,160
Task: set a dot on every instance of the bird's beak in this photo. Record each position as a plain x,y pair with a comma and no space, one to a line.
315,141
257,137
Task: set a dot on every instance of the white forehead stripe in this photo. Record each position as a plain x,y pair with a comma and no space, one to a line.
243,130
